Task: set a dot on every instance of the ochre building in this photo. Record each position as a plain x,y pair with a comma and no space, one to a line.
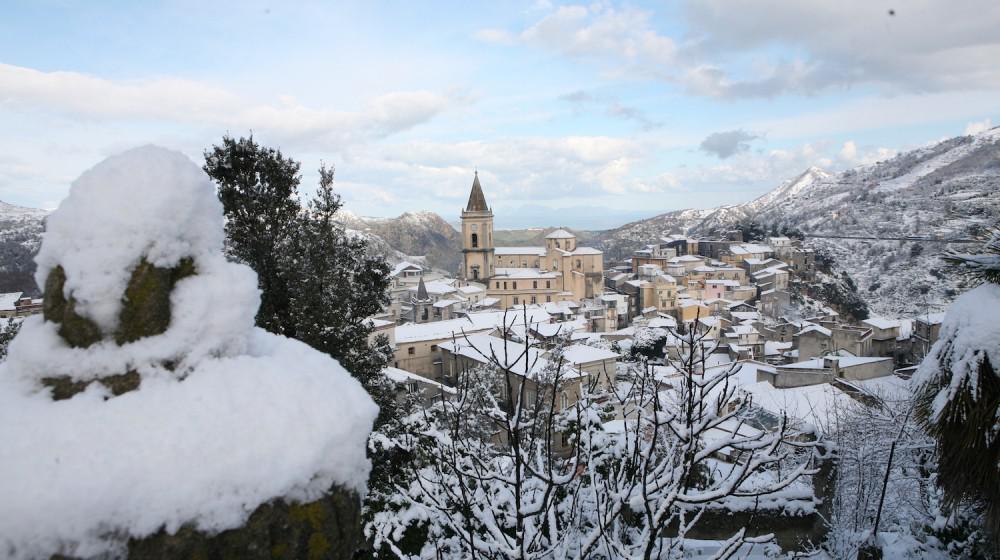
559,271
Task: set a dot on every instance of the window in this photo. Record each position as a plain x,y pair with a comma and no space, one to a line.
555,264
515,285
515,300
498,285
579,264
564,401
505,285
548,299
411,350
475,273
434,347
411,387
533,300
475,240
534,284
548,283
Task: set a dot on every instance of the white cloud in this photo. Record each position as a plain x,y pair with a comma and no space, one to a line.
727,144
872,113
978,126
748,48
186,101
624,40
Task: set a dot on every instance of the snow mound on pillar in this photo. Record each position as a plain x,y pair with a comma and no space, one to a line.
237,418
147,202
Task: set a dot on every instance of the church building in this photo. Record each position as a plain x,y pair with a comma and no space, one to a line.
559,271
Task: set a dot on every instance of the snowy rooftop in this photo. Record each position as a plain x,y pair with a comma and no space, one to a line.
473,322
508,354
662,322
931,318
560,234
437,287
686,258
578,354
585,251
815,328
405,265
844,361
7,301
772,348
749,248
881,323
559,328
402,376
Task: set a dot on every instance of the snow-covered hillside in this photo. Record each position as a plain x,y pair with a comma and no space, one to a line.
411,234
947,190
20,236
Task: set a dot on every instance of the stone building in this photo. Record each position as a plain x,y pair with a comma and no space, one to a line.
559,271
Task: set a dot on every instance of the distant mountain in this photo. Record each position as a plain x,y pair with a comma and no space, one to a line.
20,236
413,234
947,190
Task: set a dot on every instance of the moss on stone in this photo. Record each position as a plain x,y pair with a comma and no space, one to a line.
76,330
312,513
318,546
65,388
146,302
326,529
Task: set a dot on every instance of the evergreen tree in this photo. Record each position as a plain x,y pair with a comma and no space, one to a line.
258,188
335,284
959,391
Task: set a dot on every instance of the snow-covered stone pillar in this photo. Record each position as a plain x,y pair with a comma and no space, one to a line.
143,415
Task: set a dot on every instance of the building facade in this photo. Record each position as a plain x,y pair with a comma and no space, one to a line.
559,271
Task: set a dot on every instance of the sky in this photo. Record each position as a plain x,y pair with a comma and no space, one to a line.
581,115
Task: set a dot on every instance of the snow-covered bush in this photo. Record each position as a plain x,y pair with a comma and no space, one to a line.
145,401
501,470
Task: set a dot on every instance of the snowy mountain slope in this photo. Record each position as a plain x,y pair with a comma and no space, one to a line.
619,243
20,236
411,234
950,189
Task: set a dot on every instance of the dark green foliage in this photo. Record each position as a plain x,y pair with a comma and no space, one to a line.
843,293
965,429
258,188
984,265
752,230
335,283
968,456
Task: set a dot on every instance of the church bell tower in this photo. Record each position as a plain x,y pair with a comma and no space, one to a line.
477,236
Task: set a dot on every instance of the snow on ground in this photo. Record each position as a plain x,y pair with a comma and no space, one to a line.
243,417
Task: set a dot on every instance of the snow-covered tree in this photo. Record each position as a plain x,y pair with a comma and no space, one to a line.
335,283
7,333
959,394
509,469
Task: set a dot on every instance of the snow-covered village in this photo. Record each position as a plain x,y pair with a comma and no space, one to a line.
517,281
